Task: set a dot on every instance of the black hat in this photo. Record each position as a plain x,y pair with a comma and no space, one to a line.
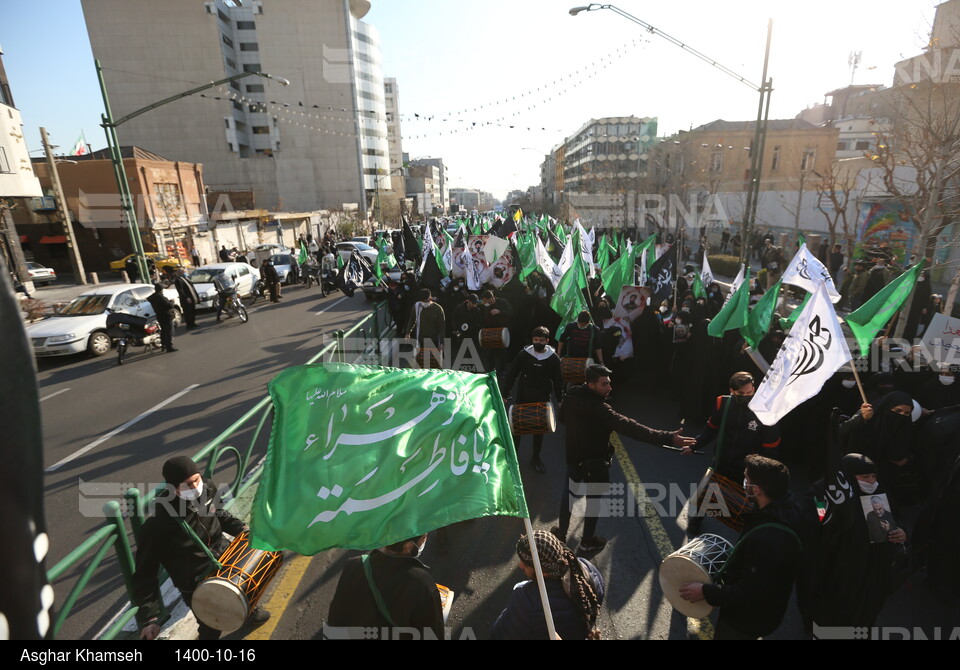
179,469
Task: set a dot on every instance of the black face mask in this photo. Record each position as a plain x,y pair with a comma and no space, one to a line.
742,400
539,348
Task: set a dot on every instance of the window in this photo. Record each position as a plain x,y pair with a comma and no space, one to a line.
4,162
249,46
5,97
716,161
265,152
246,25
258,109
237,106
251,67
775,165
254,88
223,17
230,63
388,88
226,40
809,159
226,122
261,130
841,146
863,145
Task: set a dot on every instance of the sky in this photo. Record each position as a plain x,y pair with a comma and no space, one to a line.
529,68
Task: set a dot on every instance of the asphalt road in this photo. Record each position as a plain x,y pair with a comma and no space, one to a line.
221,371
115,426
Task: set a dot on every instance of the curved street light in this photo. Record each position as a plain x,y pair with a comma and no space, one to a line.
763,114
109,126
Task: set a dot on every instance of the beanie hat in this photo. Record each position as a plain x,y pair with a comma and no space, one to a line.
178,469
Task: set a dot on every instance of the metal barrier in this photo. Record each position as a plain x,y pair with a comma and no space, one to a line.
372,331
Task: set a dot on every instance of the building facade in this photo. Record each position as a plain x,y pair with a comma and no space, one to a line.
318,143
443,201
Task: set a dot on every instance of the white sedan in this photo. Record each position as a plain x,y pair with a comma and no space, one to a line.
346,249
244,275
82,325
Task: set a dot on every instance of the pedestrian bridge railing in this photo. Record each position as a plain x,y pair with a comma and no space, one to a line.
245,442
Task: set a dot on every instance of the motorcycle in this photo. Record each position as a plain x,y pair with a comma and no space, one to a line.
328,281
233,306
310,275
133,331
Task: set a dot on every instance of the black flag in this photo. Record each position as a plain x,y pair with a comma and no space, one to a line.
410,244
662,275
355,272
398,250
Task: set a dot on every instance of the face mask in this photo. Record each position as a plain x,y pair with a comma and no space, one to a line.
747,487
663,310
849,383
539,348
921,278
419,551
947,380
191,494
742,400
867,487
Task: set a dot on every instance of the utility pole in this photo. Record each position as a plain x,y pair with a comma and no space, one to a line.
13,251
75,261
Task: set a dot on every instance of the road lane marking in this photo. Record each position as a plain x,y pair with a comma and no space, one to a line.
53,395
117,431
329,306
282,595
702,628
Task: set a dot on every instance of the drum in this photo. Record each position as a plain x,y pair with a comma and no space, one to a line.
574,370
535,418
224,600
722,499
429,359
700,560
495,338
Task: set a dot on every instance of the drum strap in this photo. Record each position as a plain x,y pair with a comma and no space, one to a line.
214,563
739,544
381,605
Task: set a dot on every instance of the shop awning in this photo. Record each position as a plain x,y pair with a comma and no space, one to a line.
53,239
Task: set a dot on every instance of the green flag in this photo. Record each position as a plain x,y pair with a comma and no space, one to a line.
340,262
568,300
734,314
302,258
527,248
603,254
382,257
561,235
867,321
787,324
801,240
621,272
758,323
699,291
363,457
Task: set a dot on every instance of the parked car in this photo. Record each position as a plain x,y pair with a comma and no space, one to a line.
345,249
363,239
377,290
245,275
40,274
161,262
283,263
82,325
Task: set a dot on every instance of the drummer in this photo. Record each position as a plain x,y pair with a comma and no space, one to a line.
758,578
164,541
581,339
538,369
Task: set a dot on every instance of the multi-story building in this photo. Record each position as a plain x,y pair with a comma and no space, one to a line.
595,174
444,197
464,199
16,175
394,134
423,186
319,143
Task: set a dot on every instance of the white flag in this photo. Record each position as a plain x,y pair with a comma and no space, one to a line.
547,266
643,266
811,354
566,260
706,272
586,249
427,247
735,285
807,272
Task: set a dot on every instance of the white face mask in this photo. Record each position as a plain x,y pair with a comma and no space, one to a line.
947,380
849,383
663,310
191,494
422,547
868,488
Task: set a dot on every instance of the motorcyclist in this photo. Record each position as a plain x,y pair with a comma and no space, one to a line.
226,287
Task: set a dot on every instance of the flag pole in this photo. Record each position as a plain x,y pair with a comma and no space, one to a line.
856,375
547,613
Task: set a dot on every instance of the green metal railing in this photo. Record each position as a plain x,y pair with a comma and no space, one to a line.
371,332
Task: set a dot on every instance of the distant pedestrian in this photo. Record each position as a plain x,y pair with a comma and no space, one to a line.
164,310
269,275
189,298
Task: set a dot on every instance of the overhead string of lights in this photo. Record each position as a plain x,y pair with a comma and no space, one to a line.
304,115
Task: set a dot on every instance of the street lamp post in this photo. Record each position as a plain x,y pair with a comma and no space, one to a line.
109,126
765,89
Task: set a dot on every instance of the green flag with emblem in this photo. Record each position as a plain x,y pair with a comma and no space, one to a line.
735,313
758,323
363,457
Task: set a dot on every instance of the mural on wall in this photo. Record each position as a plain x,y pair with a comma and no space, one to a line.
884,227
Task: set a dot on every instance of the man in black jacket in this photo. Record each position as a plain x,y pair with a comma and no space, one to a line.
759,575
390,591
163,309
164,541
589,421
538,369
189,298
